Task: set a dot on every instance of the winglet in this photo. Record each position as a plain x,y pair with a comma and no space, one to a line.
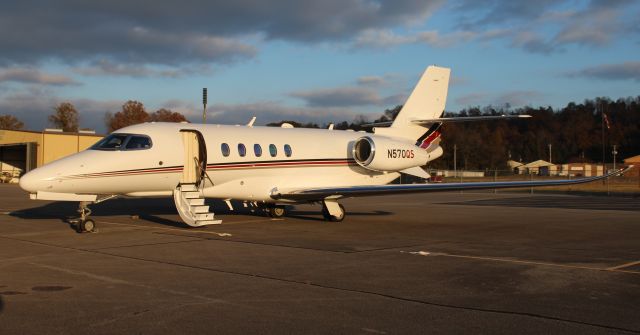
250,124
624,170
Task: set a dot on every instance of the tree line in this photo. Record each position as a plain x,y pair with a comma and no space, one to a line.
65,117
575,132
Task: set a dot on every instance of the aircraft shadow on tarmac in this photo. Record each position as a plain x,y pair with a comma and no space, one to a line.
316,216
563,202
153,210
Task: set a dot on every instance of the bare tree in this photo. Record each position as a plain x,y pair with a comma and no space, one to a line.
65,117
132,112
165,115
10,122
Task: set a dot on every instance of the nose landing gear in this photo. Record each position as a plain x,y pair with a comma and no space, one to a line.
83,224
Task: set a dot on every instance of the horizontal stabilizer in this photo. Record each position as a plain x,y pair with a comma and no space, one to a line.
450,119
469,119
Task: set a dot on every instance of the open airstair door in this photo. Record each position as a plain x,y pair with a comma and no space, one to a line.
188,194
195,157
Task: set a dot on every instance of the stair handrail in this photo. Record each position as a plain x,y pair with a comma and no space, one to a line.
202,171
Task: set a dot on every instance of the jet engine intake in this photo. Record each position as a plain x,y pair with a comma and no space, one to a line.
387,155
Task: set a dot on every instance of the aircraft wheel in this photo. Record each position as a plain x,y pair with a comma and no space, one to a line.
86,226
276,211
328,217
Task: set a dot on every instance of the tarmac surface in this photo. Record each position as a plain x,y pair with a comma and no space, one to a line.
430,263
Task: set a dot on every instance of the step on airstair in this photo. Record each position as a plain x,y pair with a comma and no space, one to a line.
190,204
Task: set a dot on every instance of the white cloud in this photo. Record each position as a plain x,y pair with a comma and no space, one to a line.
371,81
35,76
620,71
386,38
105,67
339,97
513,98
265,111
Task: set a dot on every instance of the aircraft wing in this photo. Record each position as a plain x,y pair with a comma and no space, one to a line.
311,194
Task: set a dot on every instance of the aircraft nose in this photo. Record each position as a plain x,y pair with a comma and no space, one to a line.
30,182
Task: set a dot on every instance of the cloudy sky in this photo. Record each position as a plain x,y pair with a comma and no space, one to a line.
318,61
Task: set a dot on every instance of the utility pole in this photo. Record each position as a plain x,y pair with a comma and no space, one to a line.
455,160
204,104
614,152
550,153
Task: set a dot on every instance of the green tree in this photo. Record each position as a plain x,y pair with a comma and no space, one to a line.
133,112
10,122
165,115
65,117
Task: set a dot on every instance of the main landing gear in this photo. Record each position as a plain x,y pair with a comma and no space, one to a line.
275,211
333,211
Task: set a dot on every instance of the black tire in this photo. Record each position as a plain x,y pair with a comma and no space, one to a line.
78,226
276,211
325,213
87,226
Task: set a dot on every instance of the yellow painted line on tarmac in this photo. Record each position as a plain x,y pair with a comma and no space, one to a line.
517,261
622,266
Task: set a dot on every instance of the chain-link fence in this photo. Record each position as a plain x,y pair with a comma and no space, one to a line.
629,184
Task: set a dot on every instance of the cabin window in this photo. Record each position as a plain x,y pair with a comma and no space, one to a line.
287,150
257,149
242,150
138,142
225,149
111,142
273,150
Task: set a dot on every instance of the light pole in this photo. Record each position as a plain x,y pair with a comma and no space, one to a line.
204,104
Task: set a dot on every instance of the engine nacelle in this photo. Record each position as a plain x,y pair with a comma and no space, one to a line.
387,155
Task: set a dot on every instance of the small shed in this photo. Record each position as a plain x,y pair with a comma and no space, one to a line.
516,166
540,167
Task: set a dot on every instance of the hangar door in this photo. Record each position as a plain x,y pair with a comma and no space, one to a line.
17,159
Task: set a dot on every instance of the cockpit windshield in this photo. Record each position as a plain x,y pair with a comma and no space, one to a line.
123,142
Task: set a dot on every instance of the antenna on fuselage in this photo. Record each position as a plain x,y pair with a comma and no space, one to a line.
204,104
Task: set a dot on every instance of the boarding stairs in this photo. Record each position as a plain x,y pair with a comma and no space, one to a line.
190,204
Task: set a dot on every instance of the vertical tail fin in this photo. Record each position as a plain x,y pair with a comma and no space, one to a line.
427,101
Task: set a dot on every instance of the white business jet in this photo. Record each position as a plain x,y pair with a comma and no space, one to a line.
264,166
